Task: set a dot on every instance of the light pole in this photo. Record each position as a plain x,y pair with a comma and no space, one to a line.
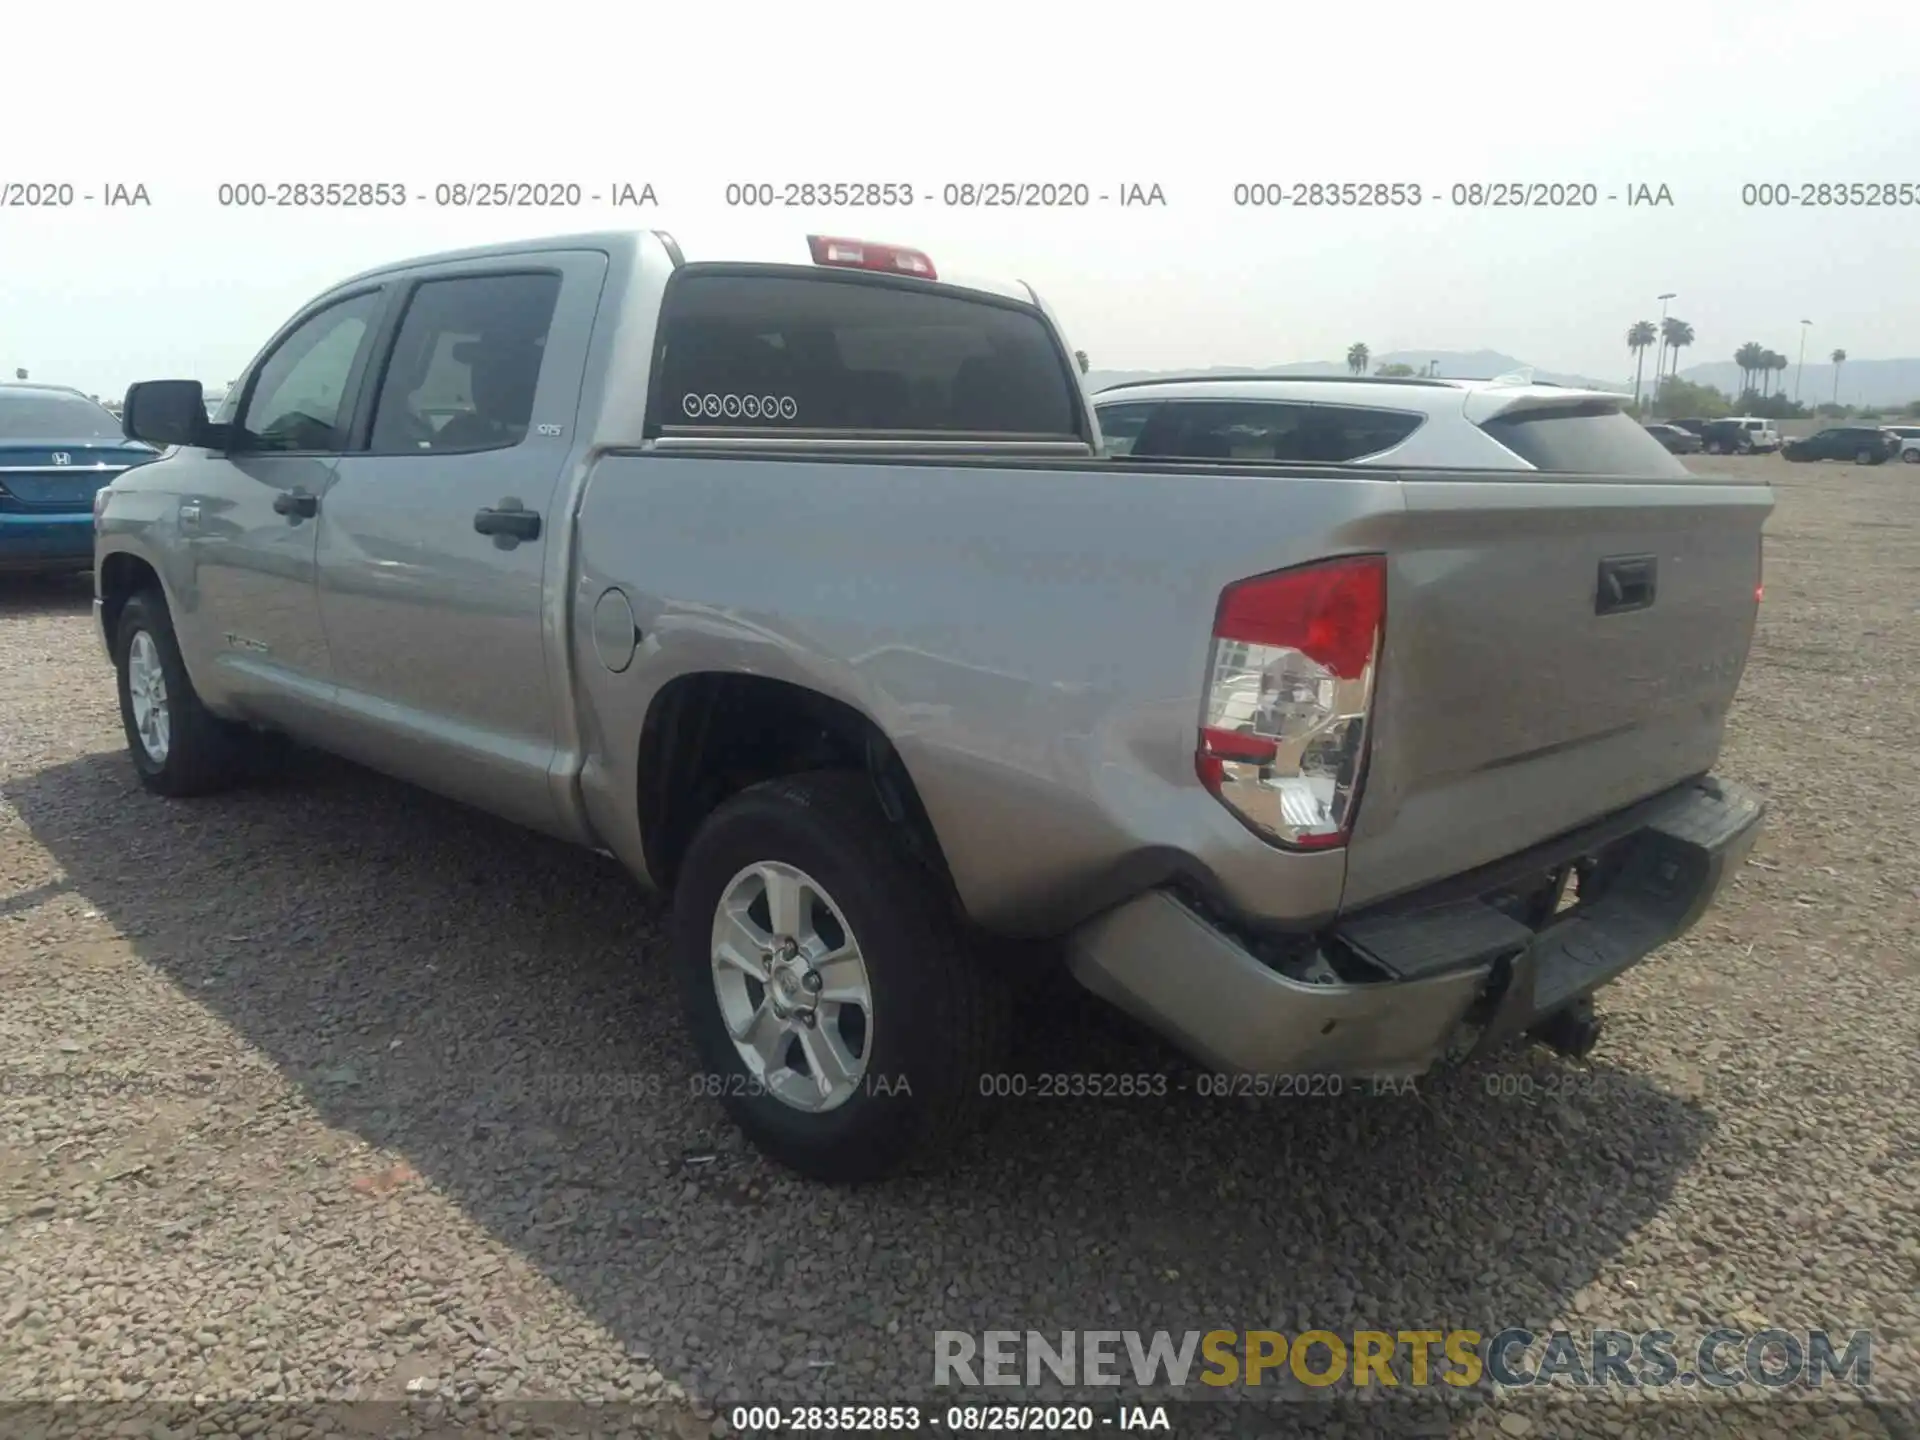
1660,355
1801,368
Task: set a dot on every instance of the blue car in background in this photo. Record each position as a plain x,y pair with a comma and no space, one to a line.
57,448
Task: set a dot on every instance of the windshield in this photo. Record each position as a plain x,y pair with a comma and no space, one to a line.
49,415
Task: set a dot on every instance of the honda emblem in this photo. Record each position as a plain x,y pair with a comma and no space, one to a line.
61,457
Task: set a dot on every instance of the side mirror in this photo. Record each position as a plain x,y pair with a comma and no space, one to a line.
165,412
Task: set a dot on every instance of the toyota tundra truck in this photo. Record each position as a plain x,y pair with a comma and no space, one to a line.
809,591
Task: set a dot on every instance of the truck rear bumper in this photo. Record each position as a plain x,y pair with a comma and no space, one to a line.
1456,973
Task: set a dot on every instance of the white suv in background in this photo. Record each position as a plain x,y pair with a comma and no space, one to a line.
1510,423
1765,436
1909,438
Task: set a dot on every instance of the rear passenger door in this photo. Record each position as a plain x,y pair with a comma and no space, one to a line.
435,535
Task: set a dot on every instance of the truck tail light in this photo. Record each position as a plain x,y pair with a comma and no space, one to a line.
865,255
1283,734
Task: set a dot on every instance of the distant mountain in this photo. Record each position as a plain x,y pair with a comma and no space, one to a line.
1862,382
1453,364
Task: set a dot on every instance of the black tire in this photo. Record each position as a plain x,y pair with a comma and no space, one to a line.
1912,457
204,753
1866,457
1713,447
940,1015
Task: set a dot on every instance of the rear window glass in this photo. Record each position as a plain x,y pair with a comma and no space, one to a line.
1584,440
1272,430
821,352
47,415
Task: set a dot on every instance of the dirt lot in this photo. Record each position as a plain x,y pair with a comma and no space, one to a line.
329,1089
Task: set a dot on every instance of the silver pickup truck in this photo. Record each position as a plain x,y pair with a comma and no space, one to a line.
809,591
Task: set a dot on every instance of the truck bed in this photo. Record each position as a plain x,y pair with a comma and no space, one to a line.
1033,636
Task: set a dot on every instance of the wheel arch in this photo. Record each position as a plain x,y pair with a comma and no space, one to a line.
708,735
119,575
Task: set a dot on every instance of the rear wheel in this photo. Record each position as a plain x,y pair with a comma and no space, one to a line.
1912,457
178,746
833,1003
1865,457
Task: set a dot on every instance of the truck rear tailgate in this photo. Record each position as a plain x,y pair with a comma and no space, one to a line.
1557,647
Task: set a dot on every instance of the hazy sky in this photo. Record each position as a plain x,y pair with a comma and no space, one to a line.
1702,98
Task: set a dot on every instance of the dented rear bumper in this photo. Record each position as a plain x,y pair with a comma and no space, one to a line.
1457,974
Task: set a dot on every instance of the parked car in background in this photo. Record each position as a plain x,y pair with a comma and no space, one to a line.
1390,423
805,590
1908,439
1862,444
1726,437
1677,440
1762,435
1692,426
56,448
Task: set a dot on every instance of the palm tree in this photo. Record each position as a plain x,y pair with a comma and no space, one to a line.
1640,335
21,373
1781,364
1673,335
1357,357
1839,358
1748,358
1080,359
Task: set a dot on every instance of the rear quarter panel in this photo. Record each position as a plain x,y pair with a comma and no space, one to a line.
1033,639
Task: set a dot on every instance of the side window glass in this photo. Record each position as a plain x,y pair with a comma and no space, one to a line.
300,398
1344,433
1227,430
465,365
1274,430
1121,426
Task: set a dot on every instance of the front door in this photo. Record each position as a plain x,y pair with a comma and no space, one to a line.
247,515
434,533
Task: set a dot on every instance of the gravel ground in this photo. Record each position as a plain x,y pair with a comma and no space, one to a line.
332,1090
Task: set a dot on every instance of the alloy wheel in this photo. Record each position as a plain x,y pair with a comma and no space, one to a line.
147,689
793,987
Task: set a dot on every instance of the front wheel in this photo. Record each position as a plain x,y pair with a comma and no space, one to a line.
1912,457
1865,457
834,1007
178,746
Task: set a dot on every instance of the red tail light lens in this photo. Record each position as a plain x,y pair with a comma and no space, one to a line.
1283,734
865,255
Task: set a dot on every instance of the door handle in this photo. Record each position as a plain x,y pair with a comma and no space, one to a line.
297,503
509,523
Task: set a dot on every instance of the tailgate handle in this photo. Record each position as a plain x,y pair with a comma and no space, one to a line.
1626,583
